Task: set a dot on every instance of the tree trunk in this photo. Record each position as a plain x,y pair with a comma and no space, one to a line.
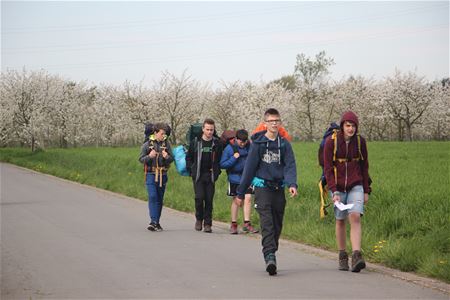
400,130
409,131
33,148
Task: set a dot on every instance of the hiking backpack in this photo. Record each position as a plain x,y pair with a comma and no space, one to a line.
282,131
179,152
194,131
228,137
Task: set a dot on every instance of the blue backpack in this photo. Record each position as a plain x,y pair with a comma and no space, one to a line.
179,155
179,152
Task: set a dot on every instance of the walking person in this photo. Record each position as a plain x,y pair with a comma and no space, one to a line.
346,168
233,160
156,155
270,168
202,160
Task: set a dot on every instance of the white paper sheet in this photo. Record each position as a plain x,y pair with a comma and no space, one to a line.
342,206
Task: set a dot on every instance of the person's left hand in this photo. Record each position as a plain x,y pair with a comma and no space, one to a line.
293,191
366,198
165,154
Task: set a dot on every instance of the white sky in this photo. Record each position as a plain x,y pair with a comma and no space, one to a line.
114,41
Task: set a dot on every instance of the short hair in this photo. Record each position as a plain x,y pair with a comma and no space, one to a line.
160,126
271,111
242,135
209,121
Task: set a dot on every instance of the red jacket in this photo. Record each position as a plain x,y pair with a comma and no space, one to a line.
351,172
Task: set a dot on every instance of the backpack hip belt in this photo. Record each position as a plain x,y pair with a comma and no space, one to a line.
159,171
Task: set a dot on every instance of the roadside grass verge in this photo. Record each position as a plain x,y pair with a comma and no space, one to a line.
406,223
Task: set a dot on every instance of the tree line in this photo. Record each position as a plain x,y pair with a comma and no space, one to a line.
40,110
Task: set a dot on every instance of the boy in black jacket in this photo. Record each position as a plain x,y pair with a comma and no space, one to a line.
270,167
203,162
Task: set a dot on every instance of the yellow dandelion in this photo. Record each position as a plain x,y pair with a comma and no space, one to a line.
380,242
376,246
376,250
442,262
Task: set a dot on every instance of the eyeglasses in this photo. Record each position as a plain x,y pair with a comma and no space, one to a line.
276,121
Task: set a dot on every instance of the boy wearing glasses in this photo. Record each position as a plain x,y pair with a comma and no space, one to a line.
233,160
270,167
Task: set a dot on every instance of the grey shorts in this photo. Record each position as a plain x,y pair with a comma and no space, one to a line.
355,196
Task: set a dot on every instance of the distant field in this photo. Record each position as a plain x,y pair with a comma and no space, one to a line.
406,223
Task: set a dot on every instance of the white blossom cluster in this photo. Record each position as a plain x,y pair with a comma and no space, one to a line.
41,110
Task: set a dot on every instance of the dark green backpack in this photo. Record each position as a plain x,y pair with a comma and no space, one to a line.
194,131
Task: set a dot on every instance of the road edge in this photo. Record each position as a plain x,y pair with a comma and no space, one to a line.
405,276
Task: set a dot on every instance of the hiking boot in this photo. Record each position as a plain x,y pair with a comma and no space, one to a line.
343,261
271,264
151,227
207,228
358,262
234,228
198,225
158,227
248,228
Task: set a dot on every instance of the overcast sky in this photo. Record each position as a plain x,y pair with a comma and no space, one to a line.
114,41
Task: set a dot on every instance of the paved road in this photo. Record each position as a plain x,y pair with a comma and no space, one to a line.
64,240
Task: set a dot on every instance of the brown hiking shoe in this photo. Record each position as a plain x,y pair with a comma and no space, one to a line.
358,262
343,261
207,228
234,228
198,225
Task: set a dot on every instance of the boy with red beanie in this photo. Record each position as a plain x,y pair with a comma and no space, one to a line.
346,168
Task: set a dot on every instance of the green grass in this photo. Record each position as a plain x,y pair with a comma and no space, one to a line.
406,222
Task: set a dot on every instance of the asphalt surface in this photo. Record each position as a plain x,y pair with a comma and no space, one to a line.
63,240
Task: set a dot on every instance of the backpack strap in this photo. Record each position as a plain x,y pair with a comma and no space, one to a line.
334,138
359,147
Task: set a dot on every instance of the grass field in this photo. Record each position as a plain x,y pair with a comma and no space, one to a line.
406,223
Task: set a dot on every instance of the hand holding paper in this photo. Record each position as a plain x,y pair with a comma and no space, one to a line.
342,206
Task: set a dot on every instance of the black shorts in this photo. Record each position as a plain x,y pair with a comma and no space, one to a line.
232,187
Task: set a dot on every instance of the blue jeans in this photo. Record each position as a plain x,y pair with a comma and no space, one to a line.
155,196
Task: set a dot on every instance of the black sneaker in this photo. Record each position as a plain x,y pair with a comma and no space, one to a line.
158,227
271,264
358,262
152,227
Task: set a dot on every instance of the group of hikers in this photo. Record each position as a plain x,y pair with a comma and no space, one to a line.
264,165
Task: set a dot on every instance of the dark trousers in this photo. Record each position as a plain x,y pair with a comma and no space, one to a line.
270,206
204,190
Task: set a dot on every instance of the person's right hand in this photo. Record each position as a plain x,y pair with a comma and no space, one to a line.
238,201
236,155
152,153
336,198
